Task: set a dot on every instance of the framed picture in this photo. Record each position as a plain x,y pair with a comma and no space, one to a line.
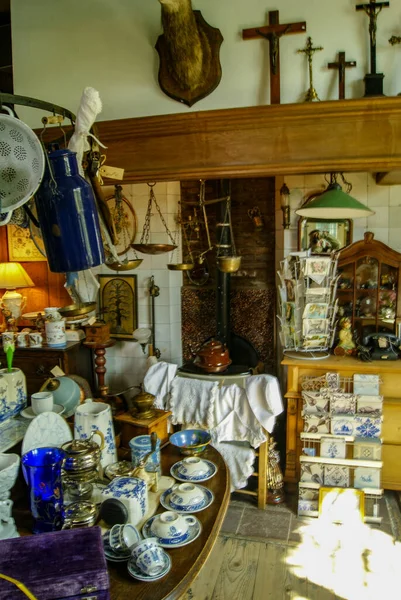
339,504
119,304
21,247
323,236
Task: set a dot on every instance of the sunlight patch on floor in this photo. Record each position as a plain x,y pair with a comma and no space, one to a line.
353,560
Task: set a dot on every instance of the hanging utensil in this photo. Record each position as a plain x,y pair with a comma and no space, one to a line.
145,246
125,222
188,264
227,263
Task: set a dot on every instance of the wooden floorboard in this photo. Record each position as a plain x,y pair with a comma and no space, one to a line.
271,571
238,570
203,586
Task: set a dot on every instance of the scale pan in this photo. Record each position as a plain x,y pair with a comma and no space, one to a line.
153,248
74,310
124,266
181,266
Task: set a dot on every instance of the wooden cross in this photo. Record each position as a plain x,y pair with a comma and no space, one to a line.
341,65
372,9
273,32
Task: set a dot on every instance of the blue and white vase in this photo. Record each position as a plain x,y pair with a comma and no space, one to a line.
13,395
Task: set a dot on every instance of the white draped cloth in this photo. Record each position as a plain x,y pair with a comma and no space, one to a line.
235,417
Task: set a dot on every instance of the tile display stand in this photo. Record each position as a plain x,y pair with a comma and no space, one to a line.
338,459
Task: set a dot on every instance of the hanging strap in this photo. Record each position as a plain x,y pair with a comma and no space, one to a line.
19,585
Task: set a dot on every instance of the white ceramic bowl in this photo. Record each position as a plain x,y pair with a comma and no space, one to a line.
9,465
192,466
185,495
171,526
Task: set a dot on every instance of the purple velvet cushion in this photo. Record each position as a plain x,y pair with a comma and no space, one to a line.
55,565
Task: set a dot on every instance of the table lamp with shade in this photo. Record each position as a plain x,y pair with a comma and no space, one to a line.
12,276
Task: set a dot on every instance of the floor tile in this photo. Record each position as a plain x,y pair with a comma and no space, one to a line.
232,519
262,524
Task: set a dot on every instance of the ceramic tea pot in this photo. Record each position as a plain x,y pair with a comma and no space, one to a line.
213,357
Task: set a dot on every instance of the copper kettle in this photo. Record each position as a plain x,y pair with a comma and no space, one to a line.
213,357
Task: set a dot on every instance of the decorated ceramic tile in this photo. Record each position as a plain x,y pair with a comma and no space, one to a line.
315,403
370,405
367,449
333,381
366,385
317,423
309,451
342,425
365,477
311,473
307,506
332,447
308,494
368,427
336,476
342,403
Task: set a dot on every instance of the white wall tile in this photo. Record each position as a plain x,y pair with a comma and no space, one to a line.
378,196
162,315
175,314
395,195
394,217
381,234
380,218
174,187
394,238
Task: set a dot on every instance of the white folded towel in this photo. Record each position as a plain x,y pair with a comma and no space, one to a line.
239,458
265,400
158,380
193,401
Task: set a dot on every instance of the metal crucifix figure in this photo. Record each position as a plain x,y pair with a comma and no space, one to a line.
273,32
373,80
310,50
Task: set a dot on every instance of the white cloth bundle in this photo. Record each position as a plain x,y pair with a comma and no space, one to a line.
265,400
239,458
193,401
158,380
90,106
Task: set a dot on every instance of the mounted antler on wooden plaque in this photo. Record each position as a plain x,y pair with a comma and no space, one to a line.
189,53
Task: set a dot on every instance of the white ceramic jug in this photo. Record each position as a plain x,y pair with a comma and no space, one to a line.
13,396
92,416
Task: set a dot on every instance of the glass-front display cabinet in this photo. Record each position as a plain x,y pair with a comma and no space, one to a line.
368,288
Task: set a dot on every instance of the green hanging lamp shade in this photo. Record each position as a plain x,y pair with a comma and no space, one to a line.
334,204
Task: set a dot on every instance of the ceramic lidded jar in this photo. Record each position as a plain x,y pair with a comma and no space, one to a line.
213,357
133,493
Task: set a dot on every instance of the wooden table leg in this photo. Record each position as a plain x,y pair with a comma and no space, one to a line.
100,361
262,470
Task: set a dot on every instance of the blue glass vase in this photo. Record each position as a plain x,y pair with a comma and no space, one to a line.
42,471
68,216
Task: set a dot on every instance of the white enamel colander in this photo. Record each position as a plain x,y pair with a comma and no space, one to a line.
22,163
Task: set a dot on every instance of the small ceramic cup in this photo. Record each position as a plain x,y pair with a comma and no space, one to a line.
151,562
35,340
7,338
123,537
192,466
23,340
185,495
172,528
143,545
42,402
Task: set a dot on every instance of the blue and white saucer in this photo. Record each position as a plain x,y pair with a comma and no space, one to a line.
194,532
177,467
208,498
136,572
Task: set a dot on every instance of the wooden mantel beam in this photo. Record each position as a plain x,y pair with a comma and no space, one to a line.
342,135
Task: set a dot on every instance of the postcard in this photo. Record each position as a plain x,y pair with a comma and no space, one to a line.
317,310
312,327
316,341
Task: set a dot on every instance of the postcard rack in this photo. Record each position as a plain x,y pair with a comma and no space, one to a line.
307,304
341,444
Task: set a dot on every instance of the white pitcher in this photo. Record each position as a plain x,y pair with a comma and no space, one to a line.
92,416
13,396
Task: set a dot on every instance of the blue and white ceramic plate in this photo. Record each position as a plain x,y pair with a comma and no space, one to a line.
177,467
47,430
194,532
136,572
208,498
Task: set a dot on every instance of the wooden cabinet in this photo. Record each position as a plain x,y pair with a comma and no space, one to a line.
37,363
369,286
346,366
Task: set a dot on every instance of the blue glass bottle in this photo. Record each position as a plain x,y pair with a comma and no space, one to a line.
68,216
42,471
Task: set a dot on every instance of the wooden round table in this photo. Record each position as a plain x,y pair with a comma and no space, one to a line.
188,560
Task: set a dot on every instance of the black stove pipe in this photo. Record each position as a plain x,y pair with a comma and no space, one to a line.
223,238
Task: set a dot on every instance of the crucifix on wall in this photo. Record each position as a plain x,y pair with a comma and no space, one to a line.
272,33
341,65
373,80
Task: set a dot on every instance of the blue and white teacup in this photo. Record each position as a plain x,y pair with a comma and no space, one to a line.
172,528
186,496
151,562
143,545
